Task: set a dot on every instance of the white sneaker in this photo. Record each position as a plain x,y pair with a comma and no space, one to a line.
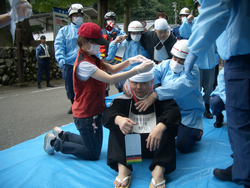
57,131
47,147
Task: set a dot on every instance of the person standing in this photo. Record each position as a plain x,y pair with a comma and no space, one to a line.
232,24
43,58
66,48
159,42
131,47
206,63
184,13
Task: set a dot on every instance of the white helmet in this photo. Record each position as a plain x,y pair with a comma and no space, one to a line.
135,26
185,11
75,8
180,49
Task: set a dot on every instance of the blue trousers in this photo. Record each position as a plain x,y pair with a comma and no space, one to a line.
216,105
43,64
186,138
237,83
68,77
87,145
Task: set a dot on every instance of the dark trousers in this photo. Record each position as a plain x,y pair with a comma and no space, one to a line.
87,145
237,83
207,82
186,138
43,64
165,156
68,77
216,105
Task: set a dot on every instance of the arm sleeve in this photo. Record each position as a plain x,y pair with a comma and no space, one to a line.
112,51
179,87
37,52
186,29
118,107
84,70
169,113
211,22
60,45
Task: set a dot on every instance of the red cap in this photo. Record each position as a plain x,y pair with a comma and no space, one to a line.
92,31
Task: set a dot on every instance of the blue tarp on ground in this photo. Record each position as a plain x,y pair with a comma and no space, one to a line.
27,165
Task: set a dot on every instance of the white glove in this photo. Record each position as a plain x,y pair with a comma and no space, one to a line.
145,66
61,63
137,59
119,39
21,10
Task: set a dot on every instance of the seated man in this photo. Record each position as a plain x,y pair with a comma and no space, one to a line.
174,84
218,100
157,127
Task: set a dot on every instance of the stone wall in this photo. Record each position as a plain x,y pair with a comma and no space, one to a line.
9,66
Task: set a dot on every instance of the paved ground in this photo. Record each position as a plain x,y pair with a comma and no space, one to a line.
27,112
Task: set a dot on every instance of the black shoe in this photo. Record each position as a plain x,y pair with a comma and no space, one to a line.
39,86
70,111
207,113
219,120
224,174
49,85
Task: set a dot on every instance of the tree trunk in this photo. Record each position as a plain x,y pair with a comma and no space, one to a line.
102,10
127,13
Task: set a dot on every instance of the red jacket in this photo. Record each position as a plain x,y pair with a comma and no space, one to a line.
90,94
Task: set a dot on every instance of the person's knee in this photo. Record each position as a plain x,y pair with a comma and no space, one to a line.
183,148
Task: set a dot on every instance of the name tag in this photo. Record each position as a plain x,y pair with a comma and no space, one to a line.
133,148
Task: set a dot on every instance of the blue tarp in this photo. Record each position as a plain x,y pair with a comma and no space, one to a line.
27,165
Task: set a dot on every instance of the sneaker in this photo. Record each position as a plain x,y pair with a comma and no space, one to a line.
47,147
57,131
224,174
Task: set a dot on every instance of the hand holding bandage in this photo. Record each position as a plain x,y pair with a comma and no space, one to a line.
145,66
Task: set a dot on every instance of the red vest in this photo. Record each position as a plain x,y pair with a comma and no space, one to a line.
90,94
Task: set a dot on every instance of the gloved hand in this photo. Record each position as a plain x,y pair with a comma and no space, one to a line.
119,39
61,63
21,10
189,64
145,66
137,59
190,18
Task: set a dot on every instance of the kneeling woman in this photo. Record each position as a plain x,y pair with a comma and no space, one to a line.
89,80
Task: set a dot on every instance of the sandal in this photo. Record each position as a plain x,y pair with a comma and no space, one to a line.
158,184
124,179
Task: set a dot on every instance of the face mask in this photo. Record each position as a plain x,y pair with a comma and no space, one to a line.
183,19
108,22
78,20
136,38
94,49
198,9
176,67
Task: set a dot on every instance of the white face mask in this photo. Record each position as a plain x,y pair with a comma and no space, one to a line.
108,22
176,67
136,38
198,8
78,20
183,19
94,49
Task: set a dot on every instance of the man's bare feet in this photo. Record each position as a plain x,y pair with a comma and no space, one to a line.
121,180
158,177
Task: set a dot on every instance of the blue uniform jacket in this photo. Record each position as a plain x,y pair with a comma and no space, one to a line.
66,44
220,88
228,20
132,49
185,92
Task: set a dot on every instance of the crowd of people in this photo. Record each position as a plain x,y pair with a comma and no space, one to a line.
167,77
